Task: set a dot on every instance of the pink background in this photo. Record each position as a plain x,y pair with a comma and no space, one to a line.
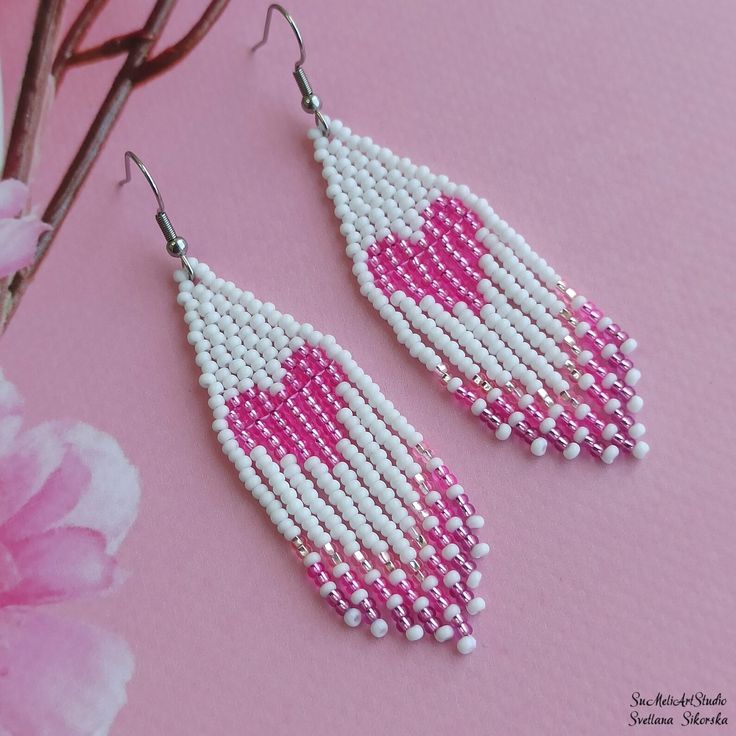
605,133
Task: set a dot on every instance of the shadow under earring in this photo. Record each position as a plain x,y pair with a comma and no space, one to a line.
469,298
384,529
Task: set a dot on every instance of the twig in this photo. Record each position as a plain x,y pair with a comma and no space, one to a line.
99,130
33,90
136,69
74,36
170,56
113,47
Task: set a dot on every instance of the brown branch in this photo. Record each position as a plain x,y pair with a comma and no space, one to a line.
128,77
101,125
113,47
75,35
170,56
33,90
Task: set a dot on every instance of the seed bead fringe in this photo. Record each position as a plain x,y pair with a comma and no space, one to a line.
470,299
385,531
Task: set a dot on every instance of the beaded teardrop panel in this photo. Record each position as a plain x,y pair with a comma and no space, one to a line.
384,529
471,300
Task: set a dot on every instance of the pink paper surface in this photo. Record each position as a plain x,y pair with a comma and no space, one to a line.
605,133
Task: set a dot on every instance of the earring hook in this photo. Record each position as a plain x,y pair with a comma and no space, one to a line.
130,155
175,246
280,9
311,103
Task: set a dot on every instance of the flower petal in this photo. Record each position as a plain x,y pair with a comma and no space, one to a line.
18,240
80,476
25,467
110,503
9,573
10,413
59,564
55,499
13,197
59,677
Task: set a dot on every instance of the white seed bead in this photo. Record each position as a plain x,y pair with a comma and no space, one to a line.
640,450
466,645
474,579
352,617
475,606
610,454
444,633
538,446
379,628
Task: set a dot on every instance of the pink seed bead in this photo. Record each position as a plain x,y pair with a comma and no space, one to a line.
557,439
440,599
403,623
348,582
595,447
444,476
464,564
595,340
461,593
368,607
615,332
503,406
439,536
442,510
528,434
596,368
490,419
625,443
598,393
592,312
567,421
595,422
322,578
625,420
464,396
438,565
462,500
466,539
431,625
534,414
425,614
406,588
379,585
333,598
315,570
464,629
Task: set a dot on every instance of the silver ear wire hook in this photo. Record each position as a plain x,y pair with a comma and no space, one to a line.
310,101
175,245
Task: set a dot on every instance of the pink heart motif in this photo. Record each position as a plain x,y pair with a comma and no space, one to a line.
445,273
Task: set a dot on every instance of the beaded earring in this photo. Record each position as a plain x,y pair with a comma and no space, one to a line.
381,524
470,299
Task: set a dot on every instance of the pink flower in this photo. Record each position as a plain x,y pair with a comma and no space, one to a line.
18,235
67,499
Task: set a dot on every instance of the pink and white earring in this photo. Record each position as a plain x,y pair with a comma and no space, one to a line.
383,528
469,298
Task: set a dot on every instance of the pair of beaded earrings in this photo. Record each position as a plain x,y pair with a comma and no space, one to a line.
384,529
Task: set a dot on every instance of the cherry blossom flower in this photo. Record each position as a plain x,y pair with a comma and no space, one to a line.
18,234
68,496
